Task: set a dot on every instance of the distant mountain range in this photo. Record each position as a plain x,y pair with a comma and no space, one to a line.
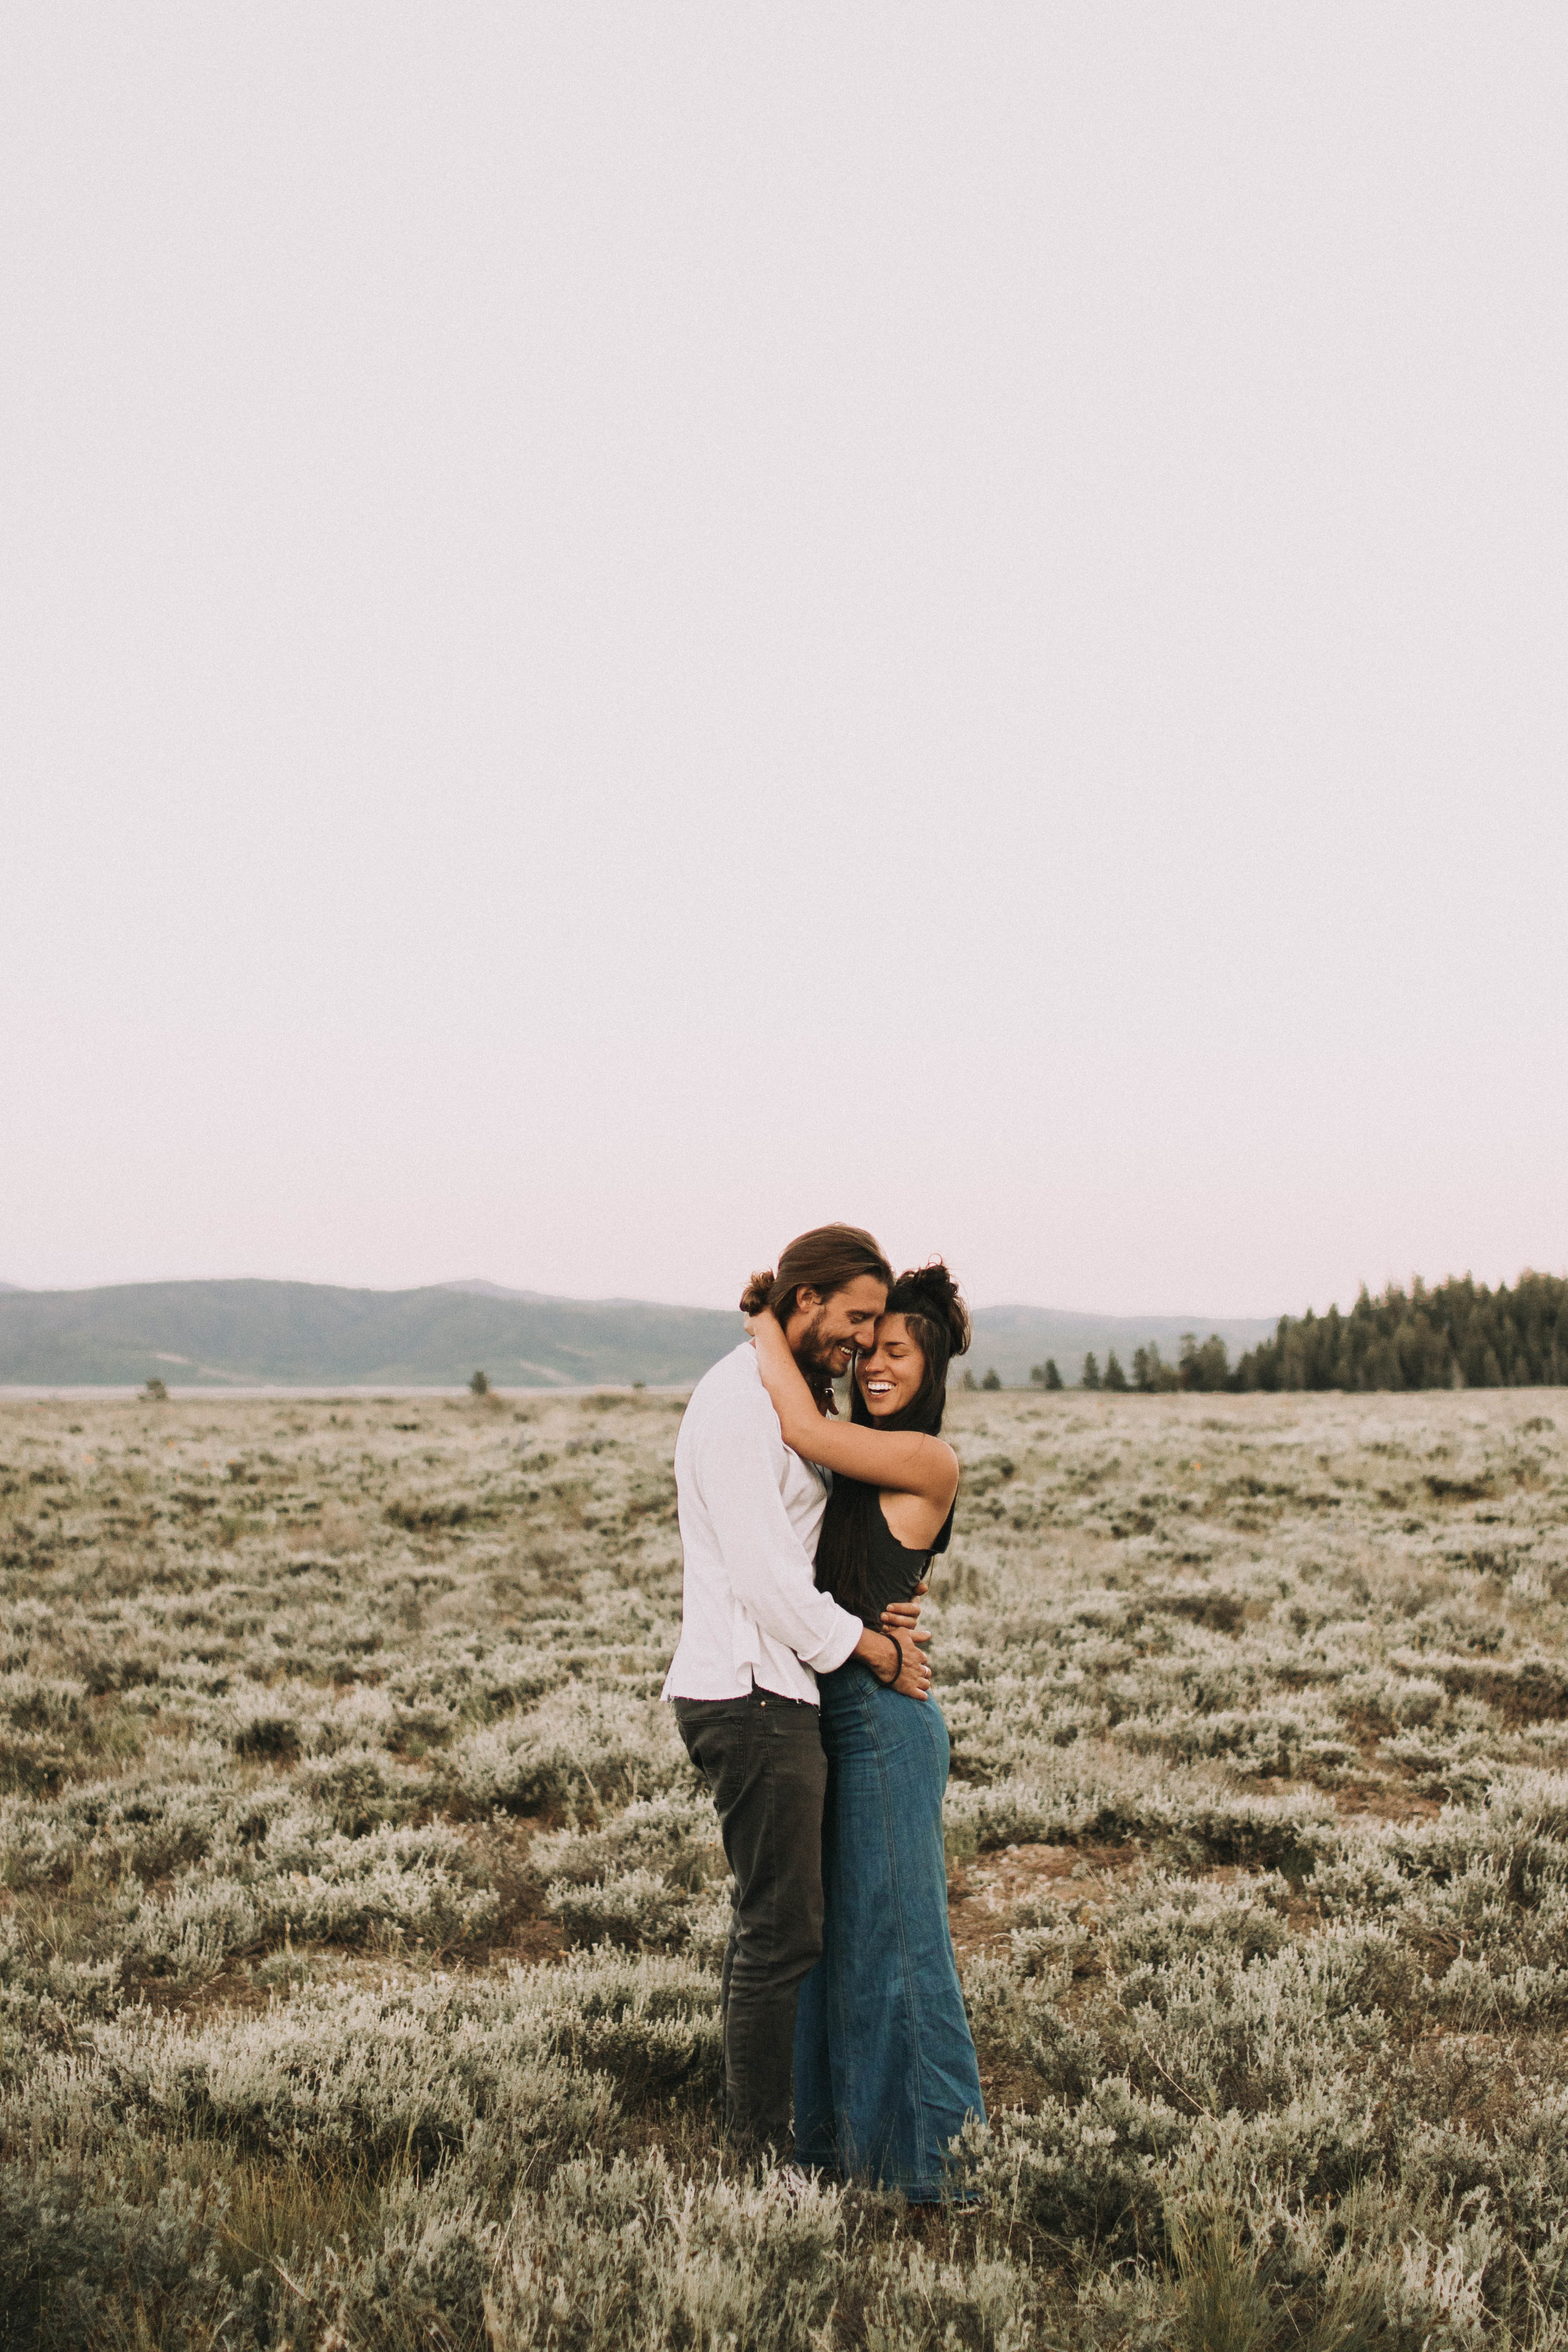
1013,1339
303,1334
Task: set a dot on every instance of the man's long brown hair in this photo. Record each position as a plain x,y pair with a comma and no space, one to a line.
823,1260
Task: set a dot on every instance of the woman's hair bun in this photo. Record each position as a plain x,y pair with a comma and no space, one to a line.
757,1292
930,1290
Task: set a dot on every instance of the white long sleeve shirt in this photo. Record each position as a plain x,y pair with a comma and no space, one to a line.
750,1514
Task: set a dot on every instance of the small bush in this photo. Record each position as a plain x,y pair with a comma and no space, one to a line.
303,2027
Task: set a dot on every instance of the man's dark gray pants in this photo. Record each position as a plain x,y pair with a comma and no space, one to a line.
762,1757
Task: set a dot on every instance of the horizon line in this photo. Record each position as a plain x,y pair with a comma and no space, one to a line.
478,1286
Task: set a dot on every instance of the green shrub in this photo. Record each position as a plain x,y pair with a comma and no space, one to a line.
1273,2033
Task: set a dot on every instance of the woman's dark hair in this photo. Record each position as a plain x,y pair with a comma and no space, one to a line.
938,1320
824,1260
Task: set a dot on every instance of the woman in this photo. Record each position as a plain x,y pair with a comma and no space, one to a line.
885,2074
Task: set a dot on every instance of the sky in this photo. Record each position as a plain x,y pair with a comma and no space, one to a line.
626,629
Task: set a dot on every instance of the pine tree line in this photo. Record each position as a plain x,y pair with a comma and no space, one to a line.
1197,1366
1461,1335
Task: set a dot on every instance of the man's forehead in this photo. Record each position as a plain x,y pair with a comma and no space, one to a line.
864,1295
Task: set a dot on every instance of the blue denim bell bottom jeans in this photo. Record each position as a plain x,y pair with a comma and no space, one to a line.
885,2074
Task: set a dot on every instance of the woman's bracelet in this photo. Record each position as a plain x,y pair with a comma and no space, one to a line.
887,1681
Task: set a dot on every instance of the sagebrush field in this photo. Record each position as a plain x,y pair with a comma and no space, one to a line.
361,1914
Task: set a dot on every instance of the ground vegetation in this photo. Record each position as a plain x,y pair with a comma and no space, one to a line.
361,1916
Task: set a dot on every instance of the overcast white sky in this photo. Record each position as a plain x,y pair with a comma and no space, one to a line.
626,628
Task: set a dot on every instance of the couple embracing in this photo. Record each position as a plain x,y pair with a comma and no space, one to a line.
803,1696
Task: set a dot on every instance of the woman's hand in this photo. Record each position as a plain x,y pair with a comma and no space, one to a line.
789,1393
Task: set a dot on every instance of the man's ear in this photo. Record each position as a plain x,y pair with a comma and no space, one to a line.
805,1299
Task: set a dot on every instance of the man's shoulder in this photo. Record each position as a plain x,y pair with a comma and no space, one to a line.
729,1394
735,1374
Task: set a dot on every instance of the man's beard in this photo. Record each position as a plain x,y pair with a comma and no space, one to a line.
814,1356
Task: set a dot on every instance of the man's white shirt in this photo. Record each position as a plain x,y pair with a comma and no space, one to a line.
750,1514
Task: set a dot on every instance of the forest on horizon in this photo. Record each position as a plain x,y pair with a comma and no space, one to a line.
1456,1335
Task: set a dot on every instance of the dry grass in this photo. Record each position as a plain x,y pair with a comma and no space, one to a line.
359,1917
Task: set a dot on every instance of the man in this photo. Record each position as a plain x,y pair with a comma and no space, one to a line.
754,1632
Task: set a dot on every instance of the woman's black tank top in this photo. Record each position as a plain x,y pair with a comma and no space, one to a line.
895,1570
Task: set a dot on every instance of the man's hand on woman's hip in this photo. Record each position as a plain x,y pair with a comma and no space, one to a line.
894,1661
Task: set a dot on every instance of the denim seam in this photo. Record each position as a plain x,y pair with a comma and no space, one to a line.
927,2151
912,2006
920,2159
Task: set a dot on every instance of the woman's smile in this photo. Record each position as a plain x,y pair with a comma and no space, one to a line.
890,1371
